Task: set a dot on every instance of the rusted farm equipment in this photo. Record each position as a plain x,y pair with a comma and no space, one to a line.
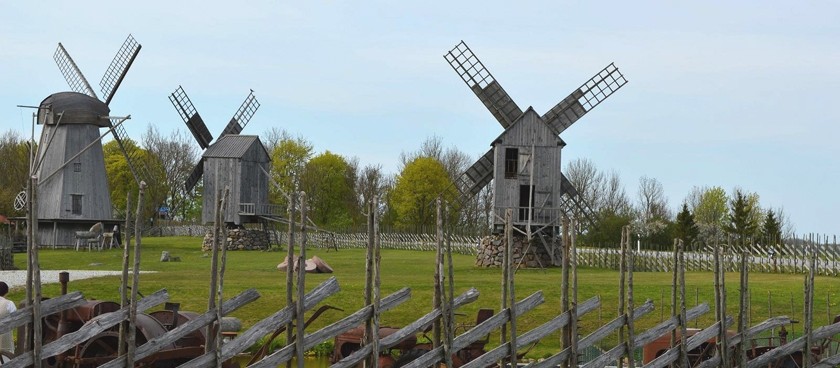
104,346
408,348
756,347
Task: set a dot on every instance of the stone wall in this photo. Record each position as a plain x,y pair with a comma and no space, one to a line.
491,252
239,239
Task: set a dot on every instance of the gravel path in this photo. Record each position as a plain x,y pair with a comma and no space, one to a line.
18,278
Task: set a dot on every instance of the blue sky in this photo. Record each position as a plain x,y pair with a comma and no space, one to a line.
720,93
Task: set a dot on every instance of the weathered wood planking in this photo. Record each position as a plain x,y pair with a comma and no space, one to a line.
673,354
467,297
334,329
48,307
796,345
156,344
534,335
436,355
646,337
267,325
88,330
237,161
594,337
538,164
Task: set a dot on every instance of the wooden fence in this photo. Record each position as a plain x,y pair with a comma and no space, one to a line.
729,348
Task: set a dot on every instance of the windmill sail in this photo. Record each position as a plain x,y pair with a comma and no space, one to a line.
477,176
482,83
573,202
585,98
194,122
132,155
71,72
116,72
195,175
242,116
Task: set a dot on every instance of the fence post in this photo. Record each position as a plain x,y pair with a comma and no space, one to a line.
437,300
564,287
135,281
809,305
631,305
622,270
301,284
743,308
290,267
121,347
33,275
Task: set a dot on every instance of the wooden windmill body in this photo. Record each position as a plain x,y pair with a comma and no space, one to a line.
525,160
238,162
73,186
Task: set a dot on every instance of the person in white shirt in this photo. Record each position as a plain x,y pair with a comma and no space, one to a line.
6,307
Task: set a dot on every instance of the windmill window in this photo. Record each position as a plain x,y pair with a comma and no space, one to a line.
511,162
76,204
77,167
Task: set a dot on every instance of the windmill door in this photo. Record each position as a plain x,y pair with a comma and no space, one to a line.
525,193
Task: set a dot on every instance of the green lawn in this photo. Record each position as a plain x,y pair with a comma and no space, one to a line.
188,283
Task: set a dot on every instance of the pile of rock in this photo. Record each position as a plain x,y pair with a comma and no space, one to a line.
240,239
491,252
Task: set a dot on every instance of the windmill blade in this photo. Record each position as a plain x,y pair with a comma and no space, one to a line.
132,155
71,72
195,176
585,98
573,202
482,83
194,122
243,115
119,67
477,176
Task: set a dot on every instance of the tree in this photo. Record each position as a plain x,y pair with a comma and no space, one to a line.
652,215
175,157
121,182
329,182
586,178
710,210
742,224
416,188
289,156
685,228
771,230
15,153
472,212
370,184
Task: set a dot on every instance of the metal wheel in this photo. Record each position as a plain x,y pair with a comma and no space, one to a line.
97,350
6,356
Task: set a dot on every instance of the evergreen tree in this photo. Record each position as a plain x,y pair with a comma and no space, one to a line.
686,229
742,224
771,231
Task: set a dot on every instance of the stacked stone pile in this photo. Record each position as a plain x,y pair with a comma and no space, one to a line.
240,239
491,252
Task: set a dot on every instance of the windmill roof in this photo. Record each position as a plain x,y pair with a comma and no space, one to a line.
233,146
529,110
76,108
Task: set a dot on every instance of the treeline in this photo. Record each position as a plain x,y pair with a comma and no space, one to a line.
338,188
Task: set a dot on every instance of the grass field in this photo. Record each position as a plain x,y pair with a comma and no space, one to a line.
188,283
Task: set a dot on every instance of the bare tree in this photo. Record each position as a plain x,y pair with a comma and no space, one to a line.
177,156
652,206
588,181
614,197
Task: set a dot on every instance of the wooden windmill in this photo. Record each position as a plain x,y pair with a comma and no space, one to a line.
524,161
238,161
73,187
